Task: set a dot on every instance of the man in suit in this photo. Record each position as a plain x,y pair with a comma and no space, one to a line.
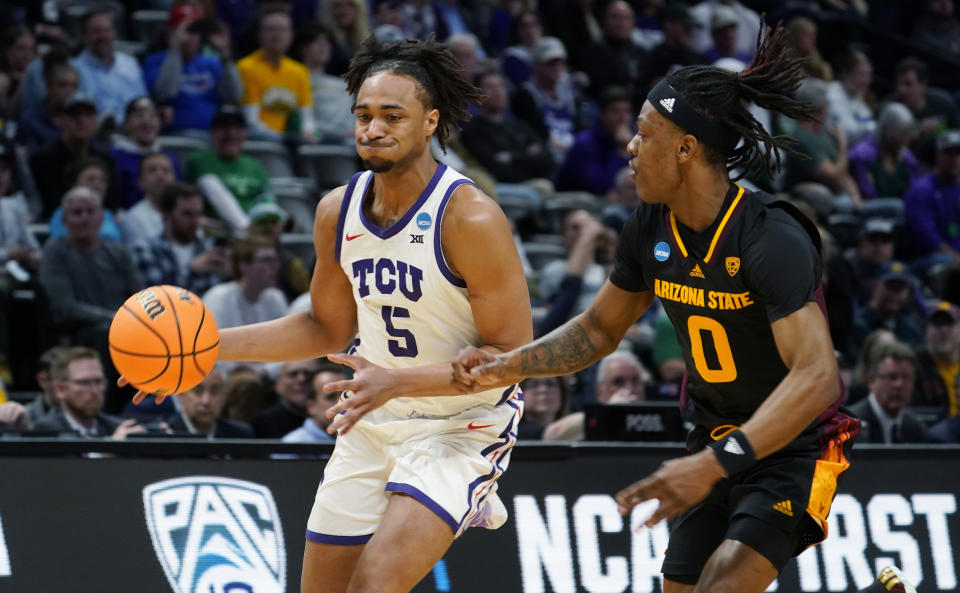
200,410
80,384
884,413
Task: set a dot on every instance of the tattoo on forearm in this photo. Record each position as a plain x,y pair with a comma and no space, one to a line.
563,351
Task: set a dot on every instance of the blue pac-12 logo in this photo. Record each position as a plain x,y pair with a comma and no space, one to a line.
424,221
661,251
214,534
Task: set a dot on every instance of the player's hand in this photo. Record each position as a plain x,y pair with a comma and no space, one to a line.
14,415
370,388
481,367
678,485
126,428
140,394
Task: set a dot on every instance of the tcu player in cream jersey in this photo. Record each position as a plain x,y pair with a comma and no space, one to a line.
416,263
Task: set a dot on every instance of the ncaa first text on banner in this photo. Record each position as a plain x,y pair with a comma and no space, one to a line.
236,525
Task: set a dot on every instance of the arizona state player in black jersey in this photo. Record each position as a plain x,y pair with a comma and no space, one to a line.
738,274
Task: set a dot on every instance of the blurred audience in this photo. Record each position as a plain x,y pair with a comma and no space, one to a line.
332,105
849,95
290,409
884,415
38,121
938,362
620,380
17,49
932,205
111,77
79,382
882,163
47,400
802,37
598,153
546,399
201,410
318,401
891,307
231,181
253,297
506,146
748,25
547,102
180,255
77,119
144,220
934,109
276,89
192,82
141,127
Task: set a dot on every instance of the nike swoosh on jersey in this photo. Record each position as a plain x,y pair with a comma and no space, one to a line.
471,426
352,237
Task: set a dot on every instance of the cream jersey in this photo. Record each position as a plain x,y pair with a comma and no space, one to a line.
411,309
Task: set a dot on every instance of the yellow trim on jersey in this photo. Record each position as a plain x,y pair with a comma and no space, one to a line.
716,234
723,223
676,234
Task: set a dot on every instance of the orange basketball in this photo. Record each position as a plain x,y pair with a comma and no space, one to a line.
164,340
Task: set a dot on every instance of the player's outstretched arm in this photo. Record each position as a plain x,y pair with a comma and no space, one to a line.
575,345
327,327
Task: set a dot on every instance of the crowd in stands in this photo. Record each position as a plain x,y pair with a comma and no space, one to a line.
187,142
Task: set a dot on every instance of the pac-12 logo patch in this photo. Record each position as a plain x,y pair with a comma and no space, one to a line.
424,221
216,535
733,266
661,251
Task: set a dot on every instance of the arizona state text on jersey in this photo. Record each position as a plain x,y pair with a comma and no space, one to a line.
722,288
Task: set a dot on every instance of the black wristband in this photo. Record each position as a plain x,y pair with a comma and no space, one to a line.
734,452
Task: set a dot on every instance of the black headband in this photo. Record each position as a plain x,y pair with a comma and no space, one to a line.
674,107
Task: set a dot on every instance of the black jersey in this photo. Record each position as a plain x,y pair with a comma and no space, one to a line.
722,288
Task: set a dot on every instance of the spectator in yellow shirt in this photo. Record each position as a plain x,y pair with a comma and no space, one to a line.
276,98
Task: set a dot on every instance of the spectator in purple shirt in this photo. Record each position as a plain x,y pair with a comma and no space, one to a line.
882,163
600,152
932,205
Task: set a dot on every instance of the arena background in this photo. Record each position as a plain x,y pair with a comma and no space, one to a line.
235,523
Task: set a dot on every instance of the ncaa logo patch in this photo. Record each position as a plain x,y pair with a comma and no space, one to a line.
424,221
216,535
661,251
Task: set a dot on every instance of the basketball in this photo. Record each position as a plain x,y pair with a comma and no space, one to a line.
164,340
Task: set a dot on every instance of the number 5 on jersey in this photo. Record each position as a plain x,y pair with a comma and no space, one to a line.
697,326
408,349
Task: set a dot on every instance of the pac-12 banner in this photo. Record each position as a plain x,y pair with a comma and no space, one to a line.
236,526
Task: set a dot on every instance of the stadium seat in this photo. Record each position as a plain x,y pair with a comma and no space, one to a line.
540,254
560,204
298,202
75,10
844,228
272,155
329,166
891,208
300,245
147,24
515,207
182,146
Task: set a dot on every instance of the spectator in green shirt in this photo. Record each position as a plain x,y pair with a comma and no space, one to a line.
232,182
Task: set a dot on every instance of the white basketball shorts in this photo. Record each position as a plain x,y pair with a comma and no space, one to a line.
449,464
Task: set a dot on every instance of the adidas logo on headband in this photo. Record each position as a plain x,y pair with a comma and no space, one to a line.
668,104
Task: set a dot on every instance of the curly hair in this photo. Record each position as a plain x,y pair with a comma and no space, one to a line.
770,80
441,83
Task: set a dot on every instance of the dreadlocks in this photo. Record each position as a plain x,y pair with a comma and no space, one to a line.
770,81
440,79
